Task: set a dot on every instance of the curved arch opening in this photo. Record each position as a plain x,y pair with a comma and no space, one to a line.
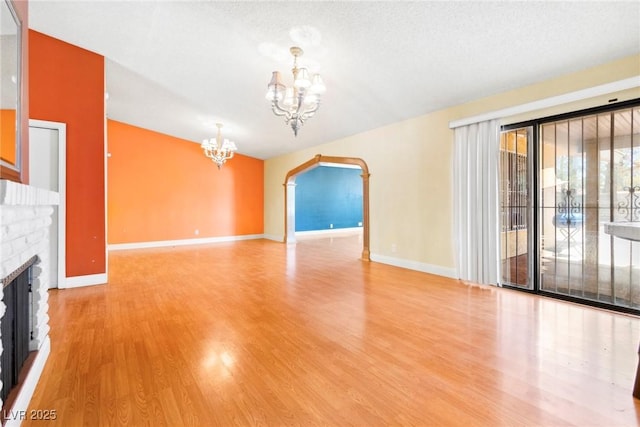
290,194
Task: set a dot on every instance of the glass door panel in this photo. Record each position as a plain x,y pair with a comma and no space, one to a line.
589,175
515,208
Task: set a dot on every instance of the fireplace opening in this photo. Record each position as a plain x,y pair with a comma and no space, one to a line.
15,326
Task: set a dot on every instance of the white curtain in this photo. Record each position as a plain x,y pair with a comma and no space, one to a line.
476,210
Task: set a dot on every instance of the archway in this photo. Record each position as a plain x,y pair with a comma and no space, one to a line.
290,196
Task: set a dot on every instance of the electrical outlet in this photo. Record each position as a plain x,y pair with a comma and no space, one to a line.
394,248
360,224
196,232
330,225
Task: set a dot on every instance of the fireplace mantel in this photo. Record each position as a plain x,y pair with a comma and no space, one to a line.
23,211
13,193
25,217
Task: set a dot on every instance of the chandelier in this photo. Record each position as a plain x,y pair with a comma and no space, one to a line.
217,150
297,103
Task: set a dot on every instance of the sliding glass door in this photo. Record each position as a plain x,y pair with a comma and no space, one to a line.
564,183
589,176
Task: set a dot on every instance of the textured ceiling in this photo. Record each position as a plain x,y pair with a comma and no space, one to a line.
179,67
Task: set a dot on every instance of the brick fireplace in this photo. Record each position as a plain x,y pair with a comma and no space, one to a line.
25,216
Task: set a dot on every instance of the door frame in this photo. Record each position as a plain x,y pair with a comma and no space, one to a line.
290,196
62,191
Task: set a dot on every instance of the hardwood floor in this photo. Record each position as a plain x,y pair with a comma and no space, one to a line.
261,333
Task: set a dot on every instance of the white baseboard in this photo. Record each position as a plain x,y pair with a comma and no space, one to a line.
182,242
415,265
89,280
19,410
330,231
273,237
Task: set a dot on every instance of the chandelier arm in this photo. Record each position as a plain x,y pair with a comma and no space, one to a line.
311,113
278,110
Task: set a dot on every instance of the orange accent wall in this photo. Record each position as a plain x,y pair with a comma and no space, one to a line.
67,85
164,188
8,135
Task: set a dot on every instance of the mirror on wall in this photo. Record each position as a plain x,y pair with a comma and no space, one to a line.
10,46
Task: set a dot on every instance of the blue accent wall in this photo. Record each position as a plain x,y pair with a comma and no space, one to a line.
328,195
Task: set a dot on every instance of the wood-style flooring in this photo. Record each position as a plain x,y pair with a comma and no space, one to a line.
258,333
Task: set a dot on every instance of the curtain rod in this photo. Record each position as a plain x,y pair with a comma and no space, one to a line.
578,95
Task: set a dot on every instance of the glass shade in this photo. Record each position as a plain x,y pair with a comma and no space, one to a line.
276,80
302,79
277,92
229,146
209,144
317,85
275,88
